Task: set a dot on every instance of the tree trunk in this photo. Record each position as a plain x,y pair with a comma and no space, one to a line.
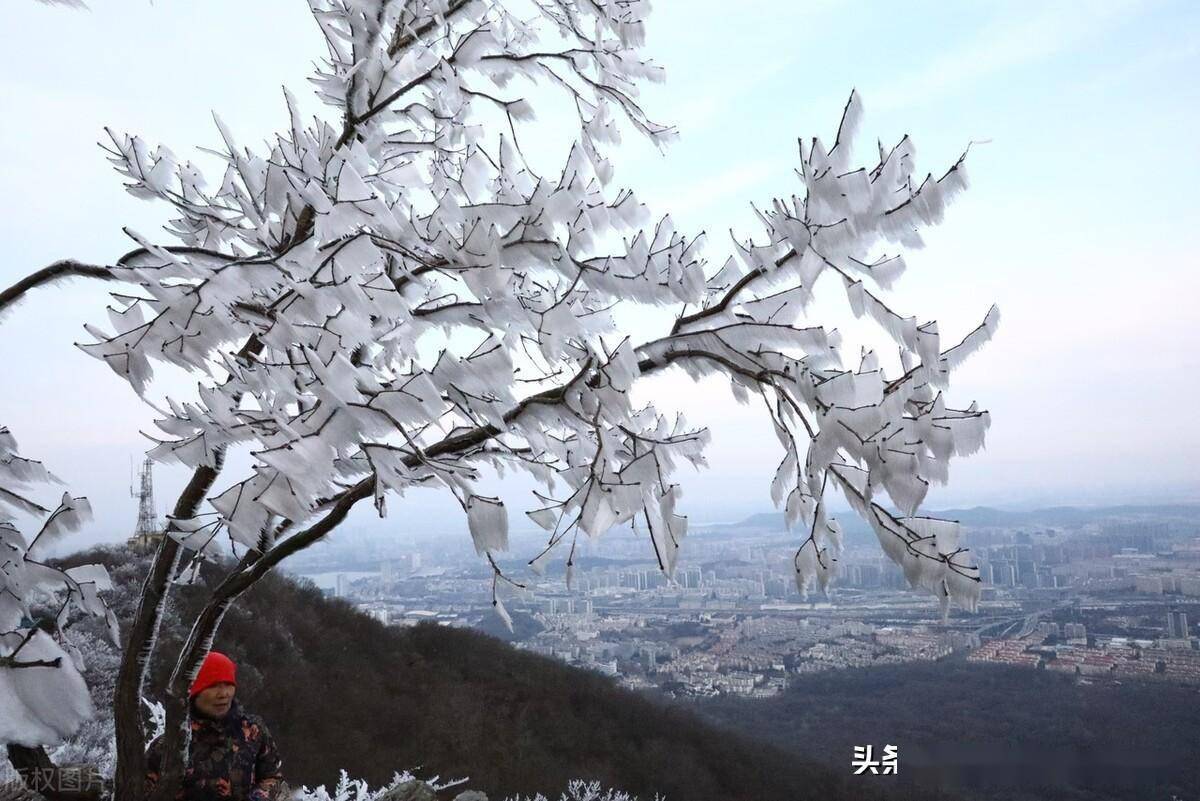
127,699
41,775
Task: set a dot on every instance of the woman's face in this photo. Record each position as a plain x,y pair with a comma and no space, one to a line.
214,701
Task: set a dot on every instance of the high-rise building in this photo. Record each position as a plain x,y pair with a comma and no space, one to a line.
1004,573
870,576
1026,573
1177,625
1142,535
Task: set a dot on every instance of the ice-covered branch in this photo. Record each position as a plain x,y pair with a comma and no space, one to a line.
55,273
340,392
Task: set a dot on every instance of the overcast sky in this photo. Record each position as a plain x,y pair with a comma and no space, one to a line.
1081,220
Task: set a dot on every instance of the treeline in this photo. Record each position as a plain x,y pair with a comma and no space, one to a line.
342,691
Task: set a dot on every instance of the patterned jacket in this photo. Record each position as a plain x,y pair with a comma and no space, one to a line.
233,758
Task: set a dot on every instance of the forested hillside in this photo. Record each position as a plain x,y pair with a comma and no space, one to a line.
992,732
342,691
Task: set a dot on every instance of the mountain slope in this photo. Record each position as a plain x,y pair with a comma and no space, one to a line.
339,690
992,732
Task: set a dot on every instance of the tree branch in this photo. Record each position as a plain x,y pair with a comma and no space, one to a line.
58,271
400,40
731,295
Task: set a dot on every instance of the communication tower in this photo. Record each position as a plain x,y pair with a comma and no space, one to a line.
148,531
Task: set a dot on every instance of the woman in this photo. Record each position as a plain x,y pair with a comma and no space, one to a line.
232,755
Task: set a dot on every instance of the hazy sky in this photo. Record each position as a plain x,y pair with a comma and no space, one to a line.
1081,221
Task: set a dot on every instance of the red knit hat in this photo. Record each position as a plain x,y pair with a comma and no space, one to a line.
217,668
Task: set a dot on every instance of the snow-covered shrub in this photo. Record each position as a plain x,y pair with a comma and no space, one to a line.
405,787
585,791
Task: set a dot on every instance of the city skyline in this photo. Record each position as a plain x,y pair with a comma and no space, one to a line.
1101,596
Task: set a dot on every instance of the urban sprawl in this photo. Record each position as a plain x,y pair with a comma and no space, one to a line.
1113,598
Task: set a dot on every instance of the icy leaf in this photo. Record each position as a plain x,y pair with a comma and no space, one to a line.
487,519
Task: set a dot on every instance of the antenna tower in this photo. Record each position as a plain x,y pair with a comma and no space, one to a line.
147,522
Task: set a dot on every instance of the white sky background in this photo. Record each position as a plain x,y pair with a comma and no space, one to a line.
1081,220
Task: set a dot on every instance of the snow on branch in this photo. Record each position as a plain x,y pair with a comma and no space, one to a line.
42,691
396,297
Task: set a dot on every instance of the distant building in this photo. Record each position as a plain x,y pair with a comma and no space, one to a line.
375,612
1142,535
1149,584
1074,631
1048,629
557,606
869,576
399,567
1026,571
1004,573
777,587
1177,625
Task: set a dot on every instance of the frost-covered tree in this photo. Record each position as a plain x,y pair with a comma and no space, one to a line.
398,295
43,696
